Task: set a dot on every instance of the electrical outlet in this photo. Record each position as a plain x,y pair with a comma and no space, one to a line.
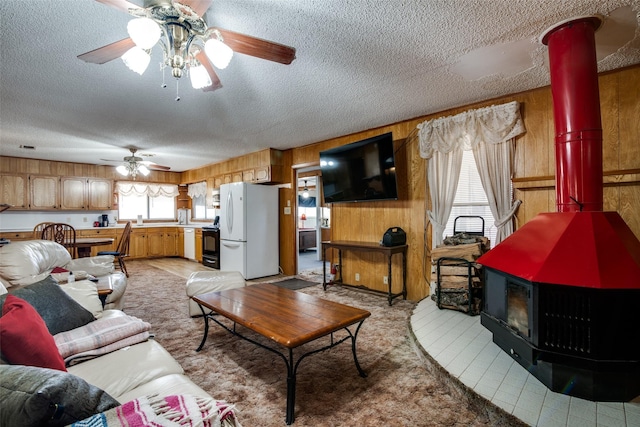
287,210
84,219
385,280
68,220
357,277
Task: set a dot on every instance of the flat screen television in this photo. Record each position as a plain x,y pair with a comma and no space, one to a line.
360,171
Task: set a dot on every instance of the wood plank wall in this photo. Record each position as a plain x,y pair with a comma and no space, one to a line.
533,182
534,177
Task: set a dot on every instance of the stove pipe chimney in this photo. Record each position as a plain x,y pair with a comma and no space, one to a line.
576,107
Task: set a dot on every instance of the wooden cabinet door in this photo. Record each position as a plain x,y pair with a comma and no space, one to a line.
15,191
218,181
138,244
99,194
262,174
155,243
72,193
170,242
44,192
199,244
180,242
248,175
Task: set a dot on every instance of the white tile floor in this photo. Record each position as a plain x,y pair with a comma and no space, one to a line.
465,349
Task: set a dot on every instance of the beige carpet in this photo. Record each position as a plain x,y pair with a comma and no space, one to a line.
402,388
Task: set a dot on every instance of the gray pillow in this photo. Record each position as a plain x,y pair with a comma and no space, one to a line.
33,396
59,311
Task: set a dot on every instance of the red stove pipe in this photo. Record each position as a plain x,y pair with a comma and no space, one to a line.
576,108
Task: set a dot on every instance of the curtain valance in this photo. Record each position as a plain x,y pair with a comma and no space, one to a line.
492,125
146,189
197,189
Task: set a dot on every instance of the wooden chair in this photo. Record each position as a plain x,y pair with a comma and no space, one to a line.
123,249
37,230
61,233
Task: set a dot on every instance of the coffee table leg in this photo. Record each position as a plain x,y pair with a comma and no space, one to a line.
206,328
362,373
291,389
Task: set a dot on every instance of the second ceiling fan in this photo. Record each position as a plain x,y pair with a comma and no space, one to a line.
189,44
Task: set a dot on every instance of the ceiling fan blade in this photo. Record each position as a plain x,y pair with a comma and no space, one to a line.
215,80
198,6
155,166
259,48
122,5
108,53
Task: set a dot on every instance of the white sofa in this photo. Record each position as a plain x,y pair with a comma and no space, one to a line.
132,372
22,263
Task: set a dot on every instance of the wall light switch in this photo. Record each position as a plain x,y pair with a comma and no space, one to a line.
287,210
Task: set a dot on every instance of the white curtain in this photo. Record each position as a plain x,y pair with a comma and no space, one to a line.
490,132
198,189
146,189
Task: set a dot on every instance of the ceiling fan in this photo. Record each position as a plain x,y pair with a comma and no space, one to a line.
189,44
133,165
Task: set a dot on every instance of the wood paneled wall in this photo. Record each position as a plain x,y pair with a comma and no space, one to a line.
534,181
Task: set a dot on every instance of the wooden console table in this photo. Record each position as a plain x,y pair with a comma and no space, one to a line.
388,251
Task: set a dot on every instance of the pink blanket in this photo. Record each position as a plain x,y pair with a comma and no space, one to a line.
100,337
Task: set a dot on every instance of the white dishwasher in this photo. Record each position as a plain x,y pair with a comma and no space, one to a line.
190,243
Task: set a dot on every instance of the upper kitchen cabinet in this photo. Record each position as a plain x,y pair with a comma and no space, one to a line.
44,192
15,190
79,193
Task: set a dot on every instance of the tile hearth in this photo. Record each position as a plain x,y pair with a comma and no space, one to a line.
461,345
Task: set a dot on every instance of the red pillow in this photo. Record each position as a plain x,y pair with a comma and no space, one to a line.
25,338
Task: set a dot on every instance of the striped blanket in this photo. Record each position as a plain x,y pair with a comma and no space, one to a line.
99,337
170,411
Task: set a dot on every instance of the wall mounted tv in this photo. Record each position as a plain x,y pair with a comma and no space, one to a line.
360,171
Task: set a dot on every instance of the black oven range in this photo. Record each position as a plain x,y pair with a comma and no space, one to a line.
211,247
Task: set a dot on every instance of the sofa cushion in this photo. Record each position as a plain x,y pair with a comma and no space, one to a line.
25,338
22,263
123,370
47,397
96,265
58,310
85,293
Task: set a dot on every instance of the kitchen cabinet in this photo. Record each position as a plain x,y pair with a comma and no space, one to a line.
180,242
44,192
138,243
80,193
199,244
15,190
17,236
170,242
155,242
99,194
306,239
72,193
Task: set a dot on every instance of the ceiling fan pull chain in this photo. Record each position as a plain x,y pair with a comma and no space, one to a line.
177,90
162,67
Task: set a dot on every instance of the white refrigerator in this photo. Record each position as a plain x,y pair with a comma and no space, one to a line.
249,229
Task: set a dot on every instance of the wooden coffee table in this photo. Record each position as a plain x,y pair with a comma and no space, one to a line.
288,318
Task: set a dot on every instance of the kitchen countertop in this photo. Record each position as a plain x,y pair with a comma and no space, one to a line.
120,226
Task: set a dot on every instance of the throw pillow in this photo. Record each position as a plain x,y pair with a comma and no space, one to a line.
85,293
25,338
58,310
46,397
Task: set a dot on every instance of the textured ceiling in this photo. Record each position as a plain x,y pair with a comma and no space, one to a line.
359,64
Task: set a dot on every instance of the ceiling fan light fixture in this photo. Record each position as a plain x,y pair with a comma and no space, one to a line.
144,32
123,170
199,77
218,53
136,59
143,169
305,191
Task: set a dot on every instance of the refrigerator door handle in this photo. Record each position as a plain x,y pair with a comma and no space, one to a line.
229,212
230,244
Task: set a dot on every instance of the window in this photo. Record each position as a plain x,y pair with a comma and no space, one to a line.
150,201
470,200
200,208
160,207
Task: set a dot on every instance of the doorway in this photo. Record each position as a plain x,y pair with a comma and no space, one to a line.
312,221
